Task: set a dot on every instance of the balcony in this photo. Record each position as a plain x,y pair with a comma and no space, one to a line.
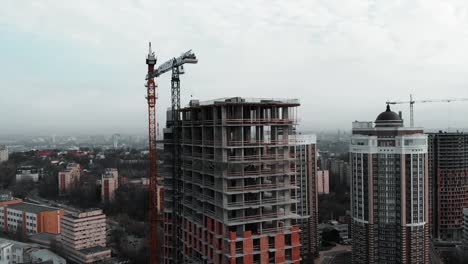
198,142
242,174
269,201
272,157
250,121
209,212
253,218
234,143
261,187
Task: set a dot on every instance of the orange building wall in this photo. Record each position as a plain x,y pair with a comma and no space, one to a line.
23,227
49,221
264,258
248,247
5,218
296,244
280,256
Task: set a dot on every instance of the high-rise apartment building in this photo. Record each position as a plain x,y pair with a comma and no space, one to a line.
339,172
3,153
448,174
109,184
323,182
83,236
389,192
305,151
465,231
69,178
237,183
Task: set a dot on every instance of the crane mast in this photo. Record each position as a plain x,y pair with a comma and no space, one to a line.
176,65
176,159
154,215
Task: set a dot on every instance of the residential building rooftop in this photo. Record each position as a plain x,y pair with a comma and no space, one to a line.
31,208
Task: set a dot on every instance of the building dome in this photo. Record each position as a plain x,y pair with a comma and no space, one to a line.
388,119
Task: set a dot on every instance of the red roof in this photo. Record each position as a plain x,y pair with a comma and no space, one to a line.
45,153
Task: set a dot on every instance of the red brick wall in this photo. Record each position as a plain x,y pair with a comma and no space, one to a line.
248,247
279,246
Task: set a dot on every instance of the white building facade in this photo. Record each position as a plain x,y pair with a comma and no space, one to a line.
83,236
27,173
389,192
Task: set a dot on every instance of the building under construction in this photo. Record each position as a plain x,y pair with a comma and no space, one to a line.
448,173
232,196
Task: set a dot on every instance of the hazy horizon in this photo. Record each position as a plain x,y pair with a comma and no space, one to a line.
79,67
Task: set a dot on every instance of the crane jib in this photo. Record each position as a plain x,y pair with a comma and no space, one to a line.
188,57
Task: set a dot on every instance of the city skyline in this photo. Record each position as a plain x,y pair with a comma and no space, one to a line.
85,74
217,131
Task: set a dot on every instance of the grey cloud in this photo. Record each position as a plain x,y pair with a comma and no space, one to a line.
333,54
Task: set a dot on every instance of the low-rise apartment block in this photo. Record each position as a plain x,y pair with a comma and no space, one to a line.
69,178
109,184
3,153
25,173
30,218
12,252
6,198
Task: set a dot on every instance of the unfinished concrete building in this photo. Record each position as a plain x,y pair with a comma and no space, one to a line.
237,180
448,174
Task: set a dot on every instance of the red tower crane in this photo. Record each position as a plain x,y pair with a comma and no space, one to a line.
176,65
154,217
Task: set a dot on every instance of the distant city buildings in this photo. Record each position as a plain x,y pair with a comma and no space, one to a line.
138,181
340,172
3,153
109,184
389,192
323,182
83,236
448,173
115,140
25,173
305,151
69,178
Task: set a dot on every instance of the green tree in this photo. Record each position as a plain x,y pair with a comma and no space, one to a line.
7,173
48,187
22,188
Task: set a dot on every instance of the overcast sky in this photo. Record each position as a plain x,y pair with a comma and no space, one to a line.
79,66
